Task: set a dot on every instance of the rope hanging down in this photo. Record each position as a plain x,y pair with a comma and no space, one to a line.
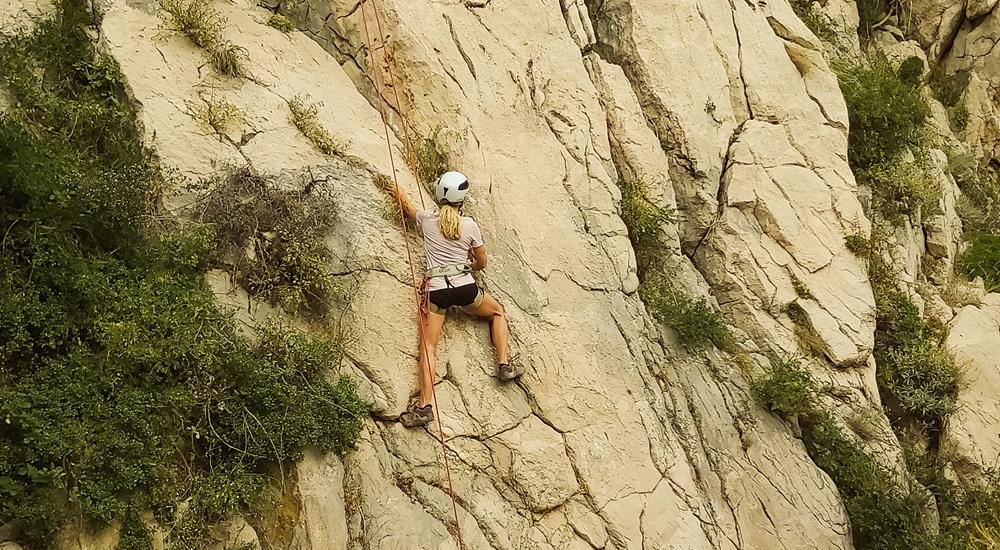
379,85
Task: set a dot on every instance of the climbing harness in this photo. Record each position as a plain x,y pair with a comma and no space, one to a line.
446,272
419,293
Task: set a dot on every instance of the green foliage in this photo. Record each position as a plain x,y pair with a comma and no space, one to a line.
900,188
271,238
305,117
123,387
134,534
916,374
801,290
982,259
204,26
883,514
787,389
645,221
817,22
886,114
979,205
949,88
959,116
693,319
911,71
427,161
281,23
858,244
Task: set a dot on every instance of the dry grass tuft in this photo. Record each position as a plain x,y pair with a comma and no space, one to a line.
305,117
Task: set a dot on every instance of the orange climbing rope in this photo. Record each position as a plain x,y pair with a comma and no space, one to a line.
417,292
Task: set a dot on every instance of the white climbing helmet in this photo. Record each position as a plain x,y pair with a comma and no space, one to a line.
451,188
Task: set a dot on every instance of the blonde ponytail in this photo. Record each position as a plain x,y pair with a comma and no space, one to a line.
448,218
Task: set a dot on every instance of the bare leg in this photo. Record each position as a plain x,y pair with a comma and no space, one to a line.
433,325
499,332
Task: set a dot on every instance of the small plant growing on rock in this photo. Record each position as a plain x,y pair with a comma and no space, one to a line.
204,26
217,114
280,22
858,244
697,325
982,259
801,290
644,220
305,117
805,334
911,71
427,161
271,238
900,188
815,19
787,389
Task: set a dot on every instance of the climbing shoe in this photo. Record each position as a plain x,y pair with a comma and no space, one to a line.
415,416
509,371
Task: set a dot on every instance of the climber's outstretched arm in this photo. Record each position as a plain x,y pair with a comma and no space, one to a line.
398,195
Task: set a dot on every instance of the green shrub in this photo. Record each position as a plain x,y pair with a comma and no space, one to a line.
915,373
982,259
979,205
122,384
134,534
305,117
693,319
787,389
959,116
814,19
858,244
900,188
805,333
883,514
911,71
949,88
887,115
645,221
282,228
281,23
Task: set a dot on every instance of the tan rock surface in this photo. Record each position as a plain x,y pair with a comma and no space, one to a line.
973,431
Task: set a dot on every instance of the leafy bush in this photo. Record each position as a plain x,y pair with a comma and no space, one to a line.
858,244
204,26
911,71
814,19
886,114
900,188
305,117
982,259
883,514
693,319
787,389
949,88
134,534
281,23
122,385
272,238
979,205
916,374
645,221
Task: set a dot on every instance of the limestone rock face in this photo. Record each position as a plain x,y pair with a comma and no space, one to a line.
616,437
972,432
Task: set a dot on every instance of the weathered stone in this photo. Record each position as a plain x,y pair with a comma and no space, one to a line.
972,431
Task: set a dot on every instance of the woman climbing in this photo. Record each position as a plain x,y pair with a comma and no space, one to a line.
454,248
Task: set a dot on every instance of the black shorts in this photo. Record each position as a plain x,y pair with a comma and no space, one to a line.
459,296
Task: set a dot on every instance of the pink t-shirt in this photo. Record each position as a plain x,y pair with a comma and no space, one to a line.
441,250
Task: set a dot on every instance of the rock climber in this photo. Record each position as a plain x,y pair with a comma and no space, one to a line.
453,245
